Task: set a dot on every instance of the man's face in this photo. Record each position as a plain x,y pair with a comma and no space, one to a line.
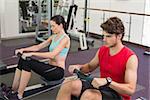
110,40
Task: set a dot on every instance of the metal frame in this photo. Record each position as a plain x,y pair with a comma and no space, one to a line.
86,18
0,32
38,20
0,27
34,90
73,32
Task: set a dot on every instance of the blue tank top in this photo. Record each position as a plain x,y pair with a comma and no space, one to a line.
54,44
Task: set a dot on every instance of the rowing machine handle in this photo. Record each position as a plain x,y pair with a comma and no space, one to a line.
20,55
79,73
83,76
28,58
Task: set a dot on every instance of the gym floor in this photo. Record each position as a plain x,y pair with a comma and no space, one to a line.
7,51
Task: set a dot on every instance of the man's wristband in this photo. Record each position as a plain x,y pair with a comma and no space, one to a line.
109,80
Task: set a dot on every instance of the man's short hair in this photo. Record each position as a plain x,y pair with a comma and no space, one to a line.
113,25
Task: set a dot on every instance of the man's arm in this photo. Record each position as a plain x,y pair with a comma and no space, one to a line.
129,86
92,65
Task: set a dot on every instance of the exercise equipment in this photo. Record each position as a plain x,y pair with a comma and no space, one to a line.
80,75
27,15
72,29
43,87
46,85
87,77
68,9
86,23
147,52
3,66
42,35
141,98
35,89
83,76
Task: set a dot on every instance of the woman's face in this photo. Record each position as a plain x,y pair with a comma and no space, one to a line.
55,27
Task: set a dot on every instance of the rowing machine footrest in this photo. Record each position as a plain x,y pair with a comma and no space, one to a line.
55,82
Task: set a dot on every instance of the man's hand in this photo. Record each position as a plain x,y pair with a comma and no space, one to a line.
72,67
97,82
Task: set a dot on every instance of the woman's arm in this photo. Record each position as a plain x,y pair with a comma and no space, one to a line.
55,52
37,47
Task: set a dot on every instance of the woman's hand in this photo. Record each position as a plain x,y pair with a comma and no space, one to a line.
72,67
97,82
18,51
25,55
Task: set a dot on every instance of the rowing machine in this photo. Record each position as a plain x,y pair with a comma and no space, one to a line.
87,78
3,66
83,76
35,89
147,53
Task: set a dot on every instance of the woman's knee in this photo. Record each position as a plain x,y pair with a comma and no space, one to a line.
24,65
91,94
25,68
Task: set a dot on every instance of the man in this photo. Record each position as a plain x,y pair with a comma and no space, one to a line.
118,69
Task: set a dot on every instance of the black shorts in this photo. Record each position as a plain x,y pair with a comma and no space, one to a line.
49,72
107,93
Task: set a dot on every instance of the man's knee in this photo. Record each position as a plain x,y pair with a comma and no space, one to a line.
91,94
76,87
73,87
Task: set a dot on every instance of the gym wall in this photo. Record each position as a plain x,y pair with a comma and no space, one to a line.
136,29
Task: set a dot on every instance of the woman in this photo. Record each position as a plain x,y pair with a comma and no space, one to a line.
58,50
